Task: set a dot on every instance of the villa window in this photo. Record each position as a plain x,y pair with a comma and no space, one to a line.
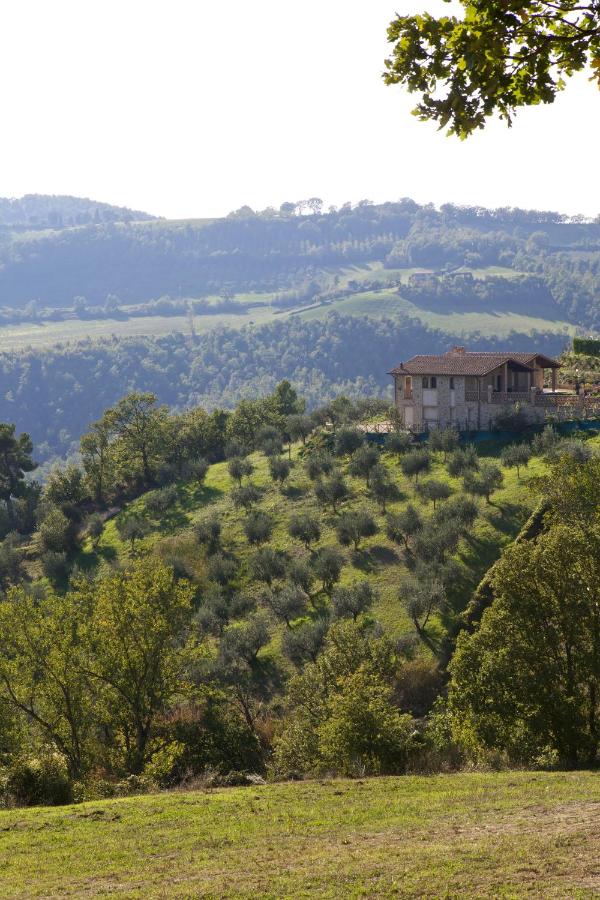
451,383
429,381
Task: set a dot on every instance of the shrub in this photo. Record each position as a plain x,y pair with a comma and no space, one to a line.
39,781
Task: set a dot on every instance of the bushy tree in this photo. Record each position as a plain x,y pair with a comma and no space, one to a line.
258,527
363,461
459,509
462,460
279,469
306,528
239,468
304,642
402,526
383,489
270,441
137,644
415,463
287,604
355,525
208,534
421,597
299,427
398,442
348,440
364,733
246,496
327,565
319,463
15,461
483,482
95,528
434,490
300,574
332,491
527,681
267,565
132,527
353,600
515,456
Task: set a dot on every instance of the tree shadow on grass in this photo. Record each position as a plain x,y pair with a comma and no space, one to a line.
507,518
200,494
367,559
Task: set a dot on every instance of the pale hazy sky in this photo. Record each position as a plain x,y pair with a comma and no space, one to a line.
196,107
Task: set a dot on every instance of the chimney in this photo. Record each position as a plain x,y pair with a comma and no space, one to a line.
459,351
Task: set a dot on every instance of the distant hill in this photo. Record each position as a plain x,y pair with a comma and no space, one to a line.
61,211
76,248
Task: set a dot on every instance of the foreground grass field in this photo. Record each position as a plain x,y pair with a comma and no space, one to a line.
513,834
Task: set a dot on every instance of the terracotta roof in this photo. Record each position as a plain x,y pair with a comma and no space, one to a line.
465,362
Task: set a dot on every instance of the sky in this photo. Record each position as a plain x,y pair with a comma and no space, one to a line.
193,108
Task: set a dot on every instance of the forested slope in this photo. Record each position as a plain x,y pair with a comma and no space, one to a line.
55,393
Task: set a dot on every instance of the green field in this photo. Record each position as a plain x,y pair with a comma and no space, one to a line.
510,835
385,302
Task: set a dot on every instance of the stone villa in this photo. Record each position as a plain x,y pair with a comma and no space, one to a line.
468,389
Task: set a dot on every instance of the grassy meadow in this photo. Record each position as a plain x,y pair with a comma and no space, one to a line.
509,834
